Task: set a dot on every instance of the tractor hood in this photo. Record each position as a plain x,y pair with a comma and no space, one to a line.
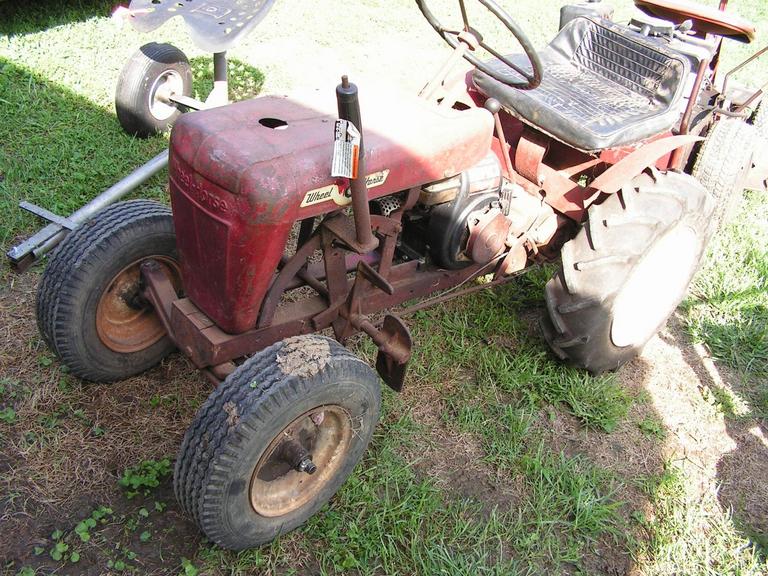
243,174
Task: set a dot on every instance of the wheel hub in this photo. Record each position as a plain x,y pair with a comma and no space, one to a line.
168,83
654,287
300,461
125,322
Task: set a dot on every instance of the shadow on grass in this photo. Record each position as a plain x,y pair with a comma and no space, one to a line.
59,150
740,395
25,17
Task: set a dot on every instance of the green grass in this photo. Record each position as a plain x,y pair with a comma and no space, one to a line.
728,308
691,535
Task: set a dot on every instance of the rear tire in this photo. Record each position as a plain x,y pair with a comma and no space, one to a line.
760,119
152,68
626,270
229,476
723,163
87,307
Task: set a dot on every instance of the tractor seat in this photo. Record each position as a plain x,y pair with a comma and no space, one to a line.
603,86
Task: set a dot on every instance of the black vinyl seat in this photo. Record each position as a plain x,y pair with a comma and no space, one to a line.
603,86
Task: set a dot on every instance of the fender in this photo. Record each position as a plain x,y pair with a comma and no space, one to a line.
617,175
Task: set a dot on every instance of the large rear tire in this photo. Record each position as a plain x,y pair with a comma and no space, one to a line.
723,163
89,309
626,270
234,474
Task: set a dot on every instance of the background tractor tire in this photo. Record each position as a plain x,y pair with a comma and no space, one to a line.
626,270
230,477
760,119
88,306
151,68
723,162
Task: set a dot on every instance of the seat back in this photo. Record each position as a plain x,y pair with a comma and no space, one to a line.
646,70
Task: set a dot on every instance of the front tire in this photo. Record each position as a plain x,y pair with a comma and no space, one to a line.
626,270
89,309
232,475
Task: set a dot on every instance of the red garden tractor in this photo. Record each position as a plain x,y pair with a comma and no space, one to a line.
296,216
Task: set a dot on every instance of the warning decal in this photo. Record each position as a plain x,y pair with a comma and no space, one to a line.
346,149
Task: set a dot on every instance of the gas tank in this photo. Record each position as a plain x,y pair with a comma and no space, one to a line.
241,175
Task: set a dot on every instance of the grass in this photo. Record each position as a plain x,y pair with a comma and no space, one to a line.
692,533
728,308
497,459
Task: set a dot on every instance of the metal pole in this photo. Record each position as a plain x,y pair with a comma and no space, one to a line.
349,109
47,238
219,96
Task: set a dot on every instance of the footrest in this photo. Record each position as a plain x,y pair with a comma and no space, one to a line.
214,26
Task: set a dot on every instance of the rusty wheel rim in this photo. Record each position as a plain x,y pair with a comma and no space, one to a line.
125,322
277,488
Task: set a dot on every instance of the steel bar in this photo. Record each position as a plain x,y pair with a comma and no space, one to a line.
738,67
187,102
47,238
47,215
349,109
676,161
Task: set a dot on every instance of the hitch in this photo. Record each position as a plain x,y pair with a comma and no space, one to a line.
393,339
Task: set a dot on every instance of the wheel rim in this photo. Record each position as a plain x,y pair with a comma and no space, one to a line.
653,289
169,82
124,322
276,487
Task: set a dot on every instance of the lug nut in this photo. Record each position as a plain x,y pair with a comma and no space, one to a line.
306,465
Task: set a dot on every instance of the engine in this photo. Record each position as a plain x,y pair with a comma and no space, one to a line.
473,217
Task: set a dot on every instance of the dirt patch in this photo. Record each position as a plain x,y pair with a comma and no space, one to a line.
69,443
454,461
304,356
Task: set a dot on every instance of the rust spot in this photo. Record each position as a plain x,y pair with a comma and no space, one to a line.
303,356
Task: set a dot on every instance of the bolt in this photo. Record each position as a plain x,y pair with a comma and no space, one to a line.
306,465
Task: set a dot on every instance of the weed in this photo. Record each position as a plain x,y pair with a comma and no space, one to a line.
144,476
187,568
652,427
8,415
58,550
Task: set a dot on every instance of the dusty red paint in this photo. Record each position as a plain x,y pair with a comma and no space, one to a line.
237,185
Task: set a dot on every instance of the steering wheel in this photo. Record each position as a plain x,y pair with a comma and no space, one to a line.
452,37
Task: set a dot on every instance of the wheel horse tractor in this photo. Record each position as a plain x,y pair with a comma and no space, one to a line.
291,216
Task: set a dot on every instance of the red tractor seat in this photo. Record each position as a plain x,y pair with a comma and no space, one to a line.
603,86
706,19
